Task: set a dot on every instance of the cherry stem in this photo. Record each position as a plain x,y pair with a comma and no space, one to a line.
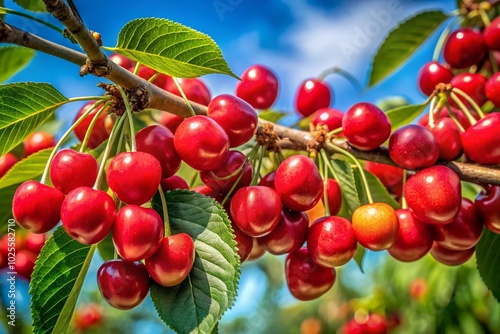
92,124
454,118
136,68
443,37
470,100
348,76
256,174
462,106
130,118
493,61
166,221
404,205
484,17
329,165
153,77
324,173
100,99
4,10
184,96
334,132
431,111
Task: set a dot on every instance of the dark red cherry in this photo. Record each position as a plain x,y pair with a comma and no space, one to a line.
312,94
173,261
173,182
492,89
268,180
88,215
488,208
194,89
472,85
365,126
258,86
121,60
390,176
330,117
170,121
431,74
99,132
491,35
38,141
147,73
25,263
124,285
201,143
448,137
481,142
71,169
6,162
244,242
451,257
36,207
34,242
464,47
334,196
413,147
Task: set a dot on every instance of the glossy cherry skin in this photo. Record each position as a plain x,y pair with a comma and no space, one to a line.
34,242
201,143
170,121
365,126
147,73
331,241
159,142
86,316
492,89
258,86
38,141
472,85
268,180
194,89
491,35
25,263
244,243
451,257
413,147
464,47
299,183
305,278
99,132
334,196
431,74
289,235
375,226
330,117
312,94
256,210
434,195
414,238
123,284
88,215
488,208
448,137
127,178
238,118
36,207
137,232
481,142
173,182
390,176
6,162
121,60
71,169
173,261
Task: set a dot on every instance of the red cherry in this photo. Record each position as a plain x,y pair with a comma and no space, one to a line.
413,147
170,121
313,94
257,251
25,263
464,47
491,35
71,169
38,141
6,162
244,243
99,133
331,241
238,118
365,126
258,86
444,113
201,143
451,257
173,261
194,89
448,137
34,242
86,316
88,215
123,61
472,85
418,288
127,179
124,285
334,196
481,142
431,74
488,208
36,206
268,180
305,278
173,182
375,324
207,191
330,117
10,245
492,89
390,176
375,226
147,73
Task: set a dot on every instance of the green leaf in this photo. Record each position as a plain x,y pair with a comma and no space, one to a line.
23,107
347,182
488,261
272,115
56,282
32,5
6,195
359,257
197,304
13,59
470,190
377,189
402,42
2,15
404,115
392,102
106,248
29,168
171,48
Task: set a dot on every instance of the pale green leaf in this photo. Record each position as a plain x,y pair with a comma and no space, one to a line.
32,5
404,115
272,115
347,182
29,168
488,261
360,256
13,59
377,189
6,195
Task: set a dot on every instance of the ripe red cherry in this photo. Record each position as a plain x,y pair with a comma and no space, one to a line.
481,142
330,117
147,73
34,242
492,89
71,169
464,47
268,180
201,143
137,232
123,61
244,242
170,121
36,206
194,89
491,35
451,257
207,191
431,74
390,176
124,285
99,132
472,85
88,215
238,118
299,183
38,141
313,94
305,278
86,316
159,142
448,137
414,238
173,182
25,263
434,195
413,147
258,86
289,235
6,162
331,241
444,113
365,126
126,176
173,261
488,208
256,210
334,196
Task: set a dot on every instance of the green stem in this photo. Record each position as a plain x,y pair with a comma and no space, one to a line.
100,99
348,76
470,100
184,96
454,118
443,37
431,111
129,117
256,174
324,173
92,124
153,77
462,107
334,132
136,68
329,165
4,10
404,205
484,17
166,221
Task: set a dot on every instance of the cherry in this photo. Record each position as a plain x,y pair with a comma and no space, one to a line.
238,118
289,235
464,47
390,176
334,196
413,147
71,169
194,89
121,60
434,194
330,117
299,183
9,246
258,86
170,121
418,288
124,285
472,85
86,316
414,238
431,74
492,89
173,182
127,179
159,142
256,210
25,263
137,232
38,141
451,257
488,208
375,226
201,143
173,260
444,113
207,191
6,162
481,142
305,278
88,215
36,206
244,243
257,251
34,242
448,137
331,241
491,35
268,180
147,73
365,126
375,324
99,133
313,94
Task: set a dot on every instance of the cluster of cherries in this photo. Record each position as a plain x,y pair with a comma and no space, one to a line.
24,249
